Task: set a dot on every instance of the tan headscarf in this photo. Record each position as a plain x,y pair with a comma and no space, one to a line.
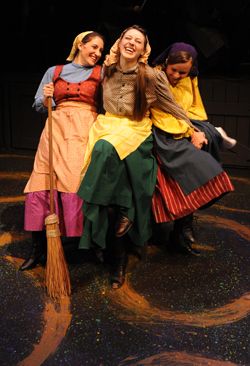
114,53
75,45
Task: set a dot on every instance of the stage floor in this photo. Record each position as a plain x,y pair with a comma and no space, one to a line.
173,310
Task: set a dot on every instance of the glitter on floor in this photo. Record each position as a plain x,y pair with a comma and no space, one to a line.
174,310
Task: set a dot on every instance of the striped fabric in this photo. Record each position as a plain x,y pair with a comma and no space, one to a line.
170,203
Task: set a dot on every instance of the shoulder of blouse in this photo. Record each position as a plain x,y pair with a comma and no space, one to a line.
49,73
194,81
159,77
155,71
150,70
151,74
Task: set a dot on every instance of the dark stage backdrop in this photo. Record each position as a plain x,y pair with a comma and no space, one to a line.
36,36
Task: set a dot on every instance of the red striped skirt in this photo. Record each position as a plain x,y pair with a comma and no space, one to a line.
170,203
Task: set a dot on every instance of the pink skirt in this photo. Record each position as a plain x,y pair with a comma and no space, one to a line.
170,203
67,206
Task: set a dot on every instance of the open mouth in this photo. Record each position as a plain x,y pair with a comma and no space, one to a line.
93,58
129,50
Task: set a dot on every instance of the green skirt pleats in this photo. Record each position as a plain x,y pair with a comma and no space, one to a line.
111,182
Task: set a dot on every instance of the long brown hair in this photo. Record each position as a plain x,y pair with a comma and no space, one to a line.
140,106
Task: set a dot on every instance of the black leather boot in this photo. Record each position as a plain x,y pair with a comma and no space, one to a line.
191,227
186,224
122,226
38,251
177,244
178,241
118,277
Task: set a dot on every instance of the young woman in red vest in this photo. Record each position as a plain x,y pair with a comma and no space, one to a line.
75,91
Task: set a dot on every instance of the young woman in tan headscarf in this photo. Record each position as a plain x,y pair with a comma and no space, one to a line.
119,172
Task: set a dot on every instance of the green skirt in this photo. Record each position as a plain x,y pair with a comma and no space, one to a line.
128,184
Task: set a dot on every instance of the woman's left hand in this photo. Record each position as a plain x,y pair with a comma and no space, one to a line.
198,139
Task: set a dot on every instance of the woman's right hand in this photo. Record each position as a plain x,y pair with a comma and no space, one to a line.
198,139
48,91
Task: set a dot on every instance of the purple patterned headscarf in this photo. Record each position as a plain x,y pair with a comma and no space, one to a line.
177,47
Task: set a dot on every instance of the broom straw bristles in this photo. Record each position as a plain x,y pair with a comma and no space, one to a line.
57,275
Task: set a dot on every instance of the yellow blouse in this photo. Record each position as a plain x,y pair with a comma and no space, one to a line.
186,93
166,122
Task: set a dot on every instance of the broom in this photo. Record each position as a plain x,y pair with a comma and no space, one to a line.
57,275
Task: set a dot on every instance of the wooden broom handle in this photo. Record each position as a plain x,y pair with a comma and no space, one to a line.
51,169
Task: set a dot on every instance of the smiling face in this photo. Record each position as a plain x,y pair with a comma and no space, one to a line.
176,72
90,52
132,46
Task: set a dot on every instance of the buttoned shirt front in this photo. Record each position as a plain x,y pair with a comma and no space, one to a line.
119,98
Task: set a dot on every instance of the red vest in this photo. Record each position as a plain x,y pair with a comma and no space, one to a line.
87,91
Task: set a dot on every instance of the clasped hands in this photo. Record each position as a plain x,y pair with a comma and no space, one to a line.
198,139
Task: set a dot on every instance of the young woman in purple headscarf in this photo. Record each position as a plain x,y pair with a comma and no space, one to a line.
190,175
